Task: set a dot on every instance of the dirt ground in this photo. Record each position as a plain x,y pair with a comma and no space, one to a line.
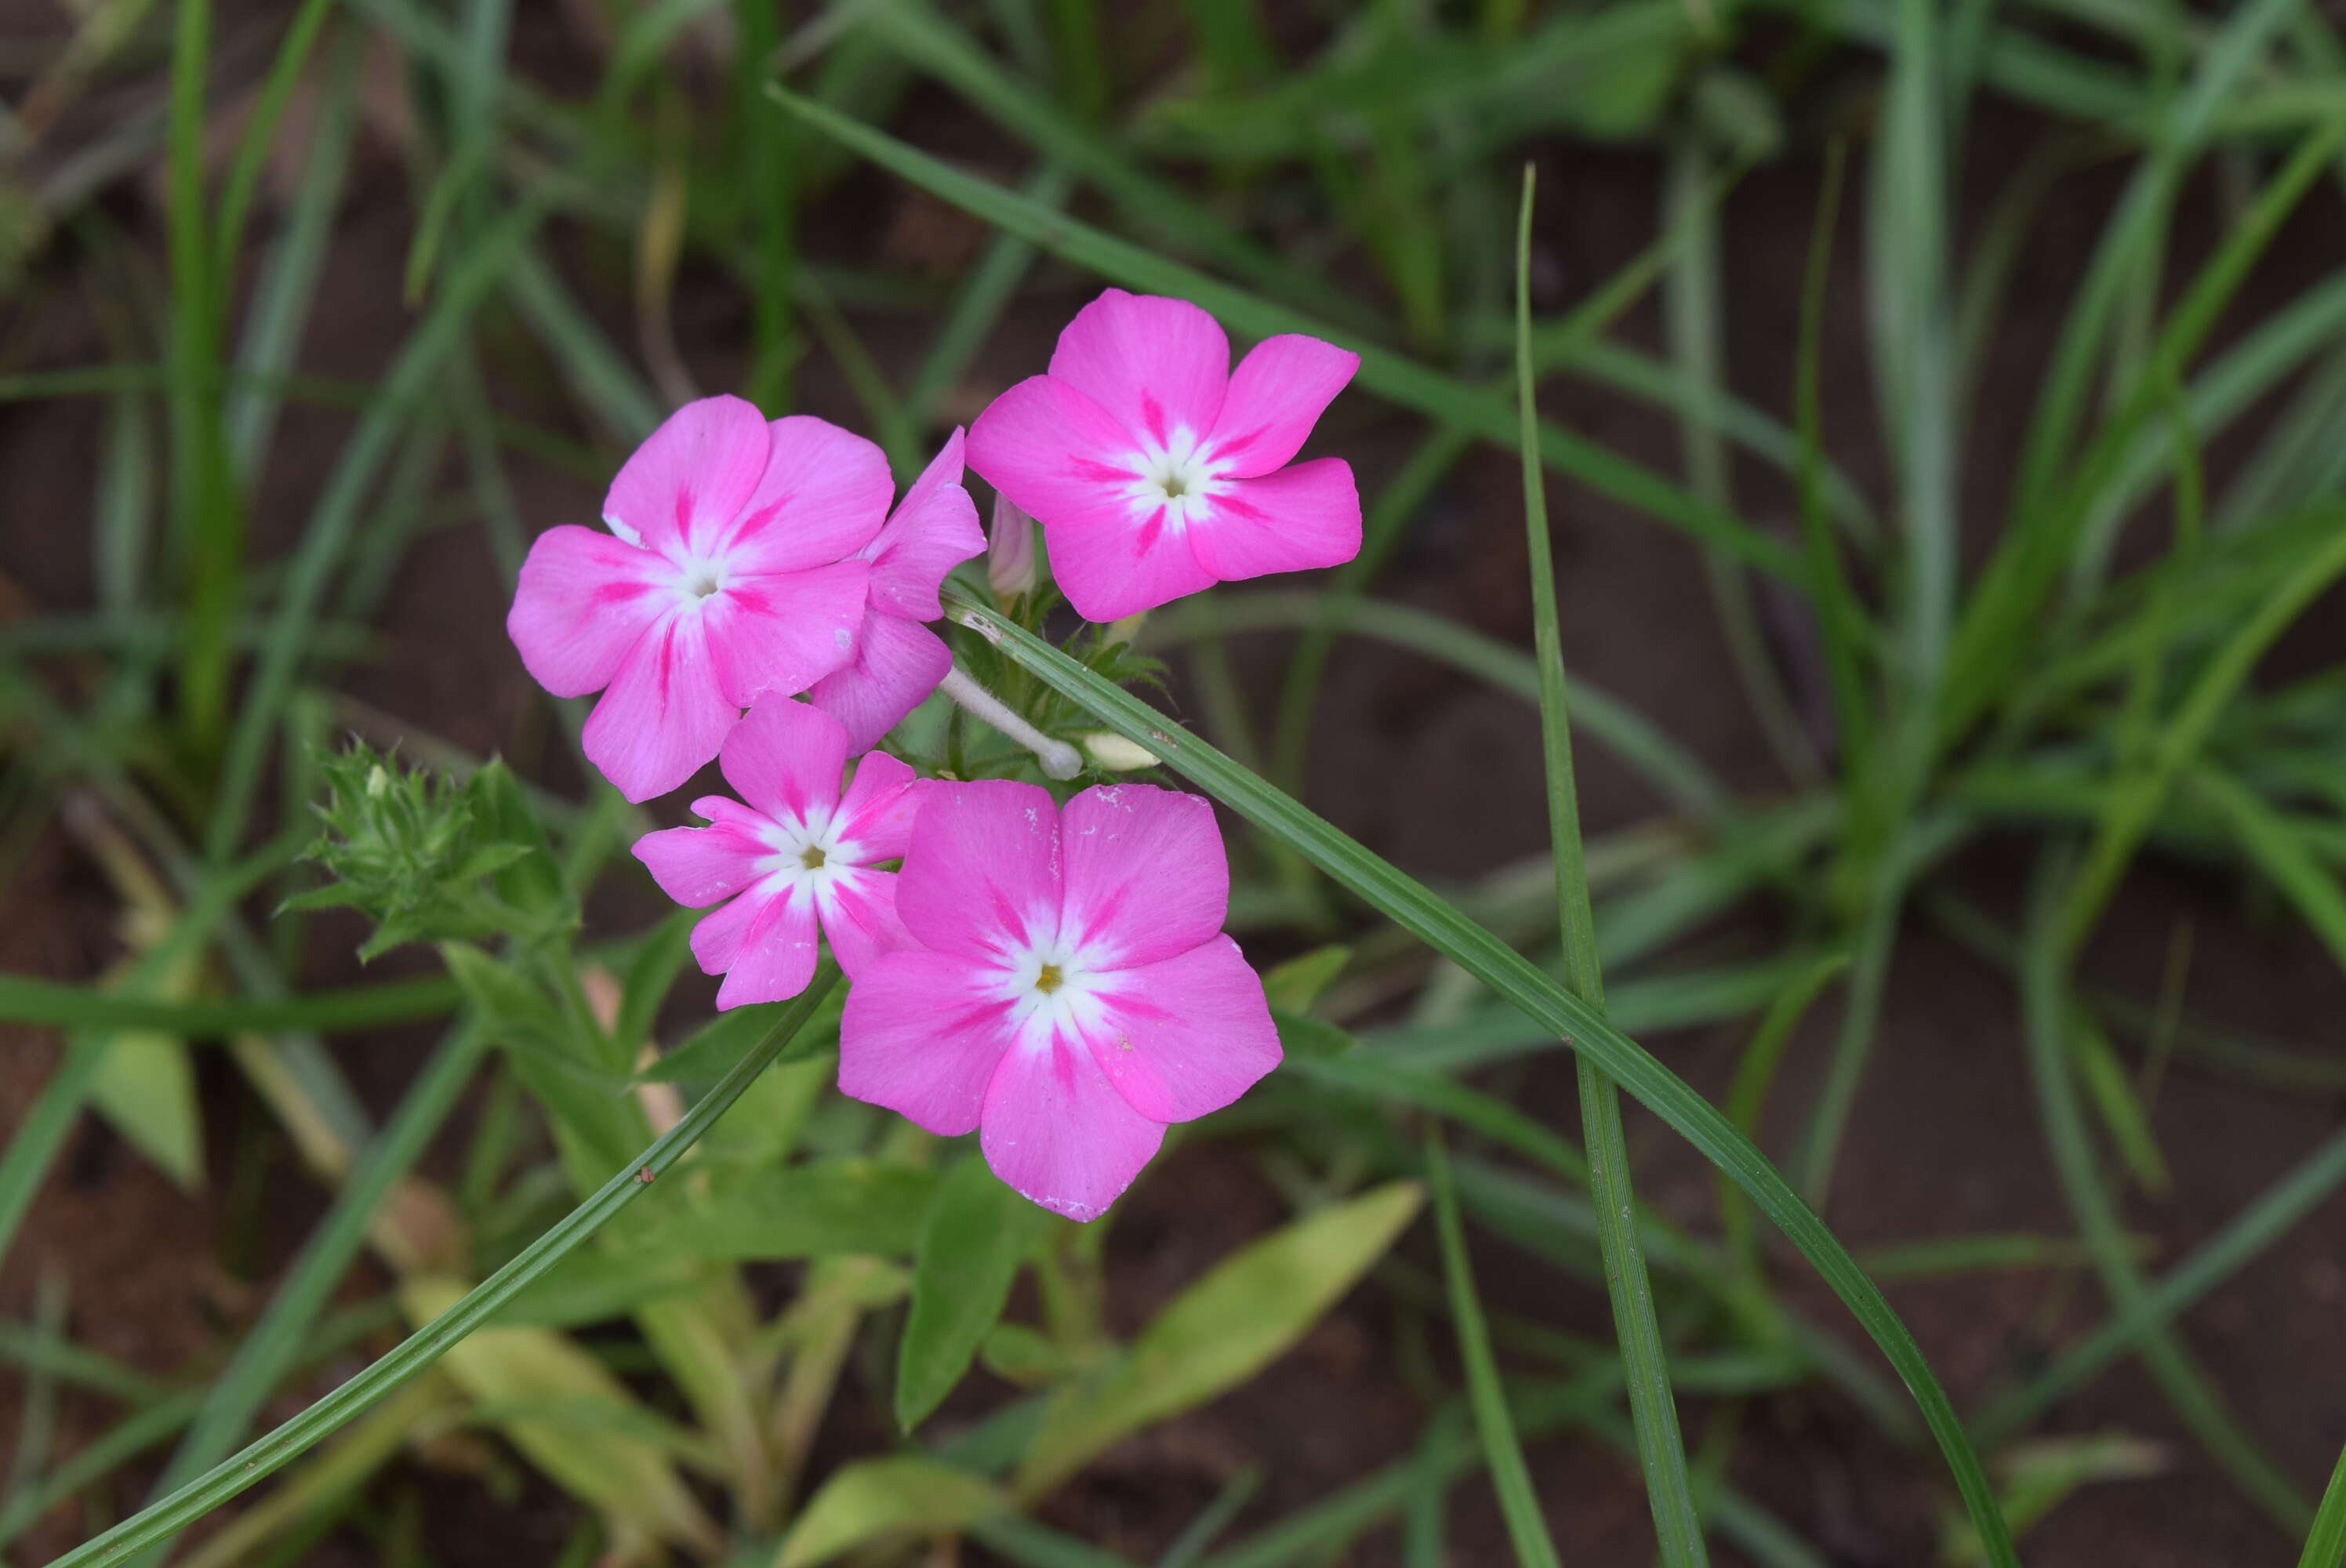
1442,777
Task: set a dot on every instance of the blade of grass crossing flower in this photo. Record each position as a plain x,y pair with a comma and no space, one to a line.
1523,984
1393,376
1502,1449
1660,1451
2325,1543
271,1347
258,1459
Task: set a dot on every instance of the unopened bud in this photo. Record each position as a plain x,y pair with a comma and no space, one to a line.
1115,753
1010,549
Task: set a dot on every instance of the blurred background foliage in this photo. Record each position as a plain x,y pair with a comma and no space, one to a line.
1946,422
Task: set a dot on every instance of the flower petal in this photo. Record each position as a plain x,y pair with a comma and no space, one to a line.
921,1036
716,938
1157,365
663,717
858,910
781,634
897,664
1113,565
1055,452
982,873
785,758
1146,874
776,954
690,477
1190,1035
933,529
583,600
821,497
1291,521
876,813
1277,394
698,865
1056,1130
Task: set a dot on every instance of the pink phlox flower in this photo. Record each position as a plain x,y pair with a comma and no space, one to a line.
1155,471
897,660
798,856
1072,991
730,572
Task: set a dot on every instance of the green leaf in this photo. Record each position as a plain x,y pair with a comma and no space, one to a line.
1248,1309
649,978
973,1239
146,1089
874,1496
1308,1038
599,1460
1419,910
718,1044
593,1286
2325,1543
846,1205
1295,985
513,1008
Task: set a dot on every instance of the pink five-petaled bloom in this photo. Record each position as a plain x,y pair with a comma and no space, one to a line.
1155,471
1072,991
799,855
897,660
728,574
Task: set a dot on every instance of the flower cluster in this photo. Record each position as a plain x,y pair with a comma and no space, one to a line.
1053,977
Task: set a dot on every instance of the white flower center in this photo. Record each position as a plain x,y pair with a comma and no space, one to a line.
806,854
699,580
1053,987
1179,477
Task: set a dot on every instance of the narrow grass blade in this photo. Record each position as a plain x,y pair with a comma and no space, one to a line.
1389,375
1523,984
273,1344
419,1350
2244,1236
42,1002
2325,1543
1661,1452
1502,1451
2196,1401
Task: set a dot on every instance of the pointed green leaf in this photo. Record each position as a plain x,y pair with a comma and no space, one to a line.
868,1499
973,1239
1250,1308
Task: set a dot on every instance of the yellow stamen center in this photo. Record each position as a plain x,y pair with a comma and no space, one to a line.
1048,980
813,857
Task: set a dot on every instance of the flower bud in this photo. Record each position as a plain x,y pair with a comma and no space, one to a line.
1010,549
1115,753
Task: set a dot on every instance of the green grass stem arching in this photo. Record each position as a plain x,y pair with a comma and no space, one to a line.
1530,987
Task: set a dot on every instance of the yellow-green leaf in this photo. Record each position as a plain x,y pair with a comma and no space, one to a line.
1248,1309
601,1461
870,1499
